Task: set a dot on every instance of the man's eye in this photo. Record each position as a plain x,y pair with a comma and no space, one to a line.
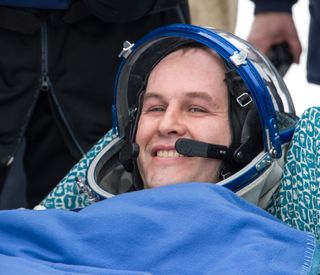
194,109
156,109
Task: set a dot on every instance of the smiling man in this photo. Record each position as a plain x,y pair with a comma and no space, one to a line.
193,105
186,96
195,121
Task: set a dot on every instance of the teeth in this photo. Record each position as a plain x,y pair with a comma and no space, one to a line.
168,154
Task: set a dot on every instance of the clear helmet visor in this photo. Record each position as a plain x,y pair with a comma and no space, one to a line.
264,84
275,85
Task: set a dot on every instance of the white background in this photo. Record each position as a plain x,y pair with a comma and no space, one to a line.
303,94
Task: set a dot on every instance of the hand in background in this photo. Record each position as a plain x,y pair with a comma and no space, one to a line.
273,28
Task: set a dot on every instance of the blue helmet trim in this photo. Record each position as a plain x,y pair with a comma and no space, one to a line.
286,136
245,178
247,71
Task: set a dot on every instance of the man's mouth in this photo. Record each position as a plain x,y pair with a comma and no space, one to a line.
168,154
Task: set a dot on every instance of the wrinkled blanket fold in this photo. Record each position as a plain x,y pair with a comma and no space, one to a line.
192,228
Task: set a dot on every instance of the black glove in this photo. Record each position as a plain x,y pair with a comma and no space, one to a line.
281,57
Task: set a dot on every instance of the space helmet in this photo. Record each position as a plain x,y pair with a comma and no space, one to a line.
261,115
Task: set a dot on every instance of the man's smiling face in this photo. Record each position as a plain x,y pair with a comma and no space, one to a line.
186,96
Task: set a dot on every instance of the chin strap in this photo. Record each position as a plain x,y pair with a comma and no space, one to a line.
128,158
128,153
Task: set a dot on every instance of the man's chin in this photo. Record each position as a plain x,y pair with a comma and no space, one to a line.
162,182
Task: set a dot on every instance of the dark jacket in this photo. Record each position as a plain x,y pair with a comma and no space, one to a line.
70,55
313,58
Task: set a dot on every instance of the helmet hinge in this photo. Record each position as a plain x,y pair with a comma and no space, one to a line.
239,58
265,162
84,189
126,50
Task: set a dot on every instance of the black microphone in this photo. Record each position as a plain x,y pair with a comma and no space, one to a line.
194,148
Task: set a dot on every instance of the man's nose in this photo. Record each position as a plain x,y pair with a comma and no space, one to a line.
172,123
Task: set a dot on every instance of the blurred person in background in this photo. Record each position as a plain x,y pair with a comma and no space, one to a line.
273,25
214,13
58,61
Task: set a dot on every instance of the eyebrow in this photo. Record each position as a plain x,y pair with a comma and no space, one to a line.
201,95
193,94
152,95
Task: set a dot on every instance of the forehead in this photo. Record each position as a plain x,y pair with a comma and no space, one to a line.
189,70
198,56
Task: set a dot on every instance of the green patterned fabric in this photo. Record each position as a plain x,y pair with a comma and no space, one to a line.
72,192
297,201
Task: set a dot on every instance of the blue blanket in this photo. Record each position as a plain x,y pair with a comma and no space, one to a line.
193,228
